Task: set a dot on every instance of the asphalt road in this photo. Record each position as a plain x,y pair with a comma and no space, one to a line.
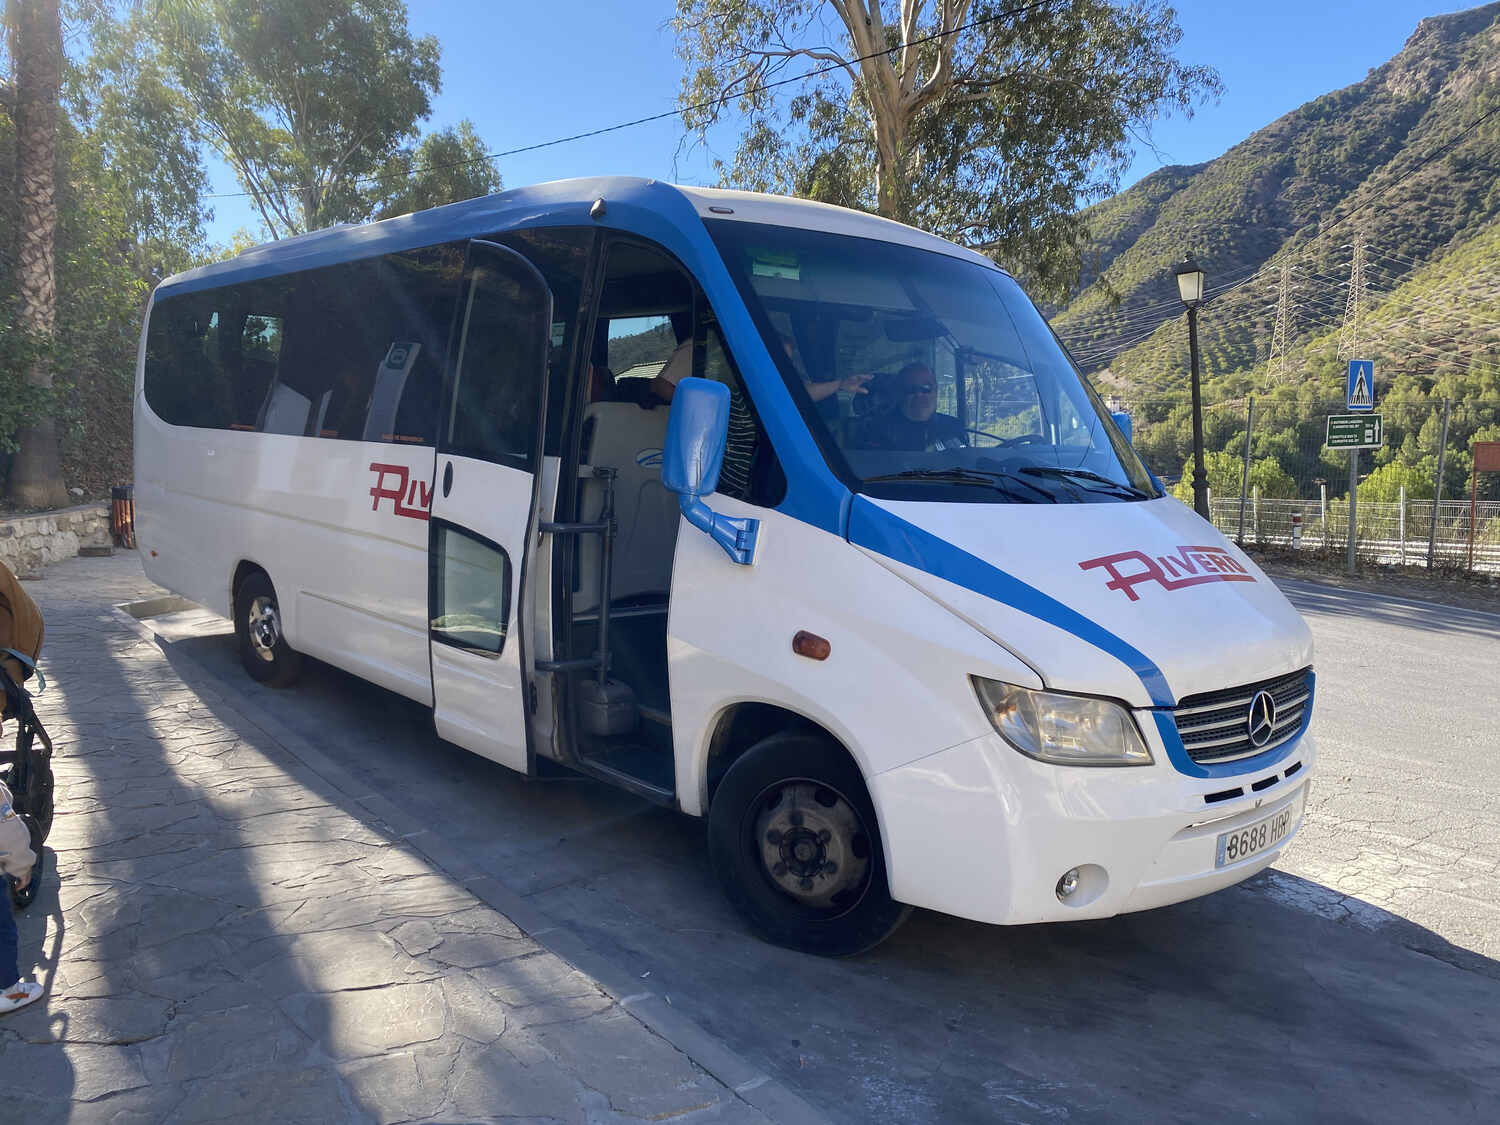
1405,811
1359,982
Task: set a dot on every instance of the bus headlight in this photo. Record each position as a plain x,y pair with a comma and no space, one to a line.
1066,730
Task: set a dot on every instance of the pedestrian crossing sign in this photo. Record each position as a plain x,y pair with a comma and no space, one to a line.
1360,392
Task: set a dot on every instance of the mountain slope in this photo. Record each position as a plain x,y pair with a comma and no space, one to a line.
1297,191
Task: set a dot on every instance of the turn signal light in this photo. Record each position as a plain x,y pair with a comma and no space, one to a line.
811,645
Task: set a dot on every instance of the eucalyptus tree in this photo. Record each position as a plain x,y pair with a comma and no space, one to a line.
123,97
986,121
305,99
448,166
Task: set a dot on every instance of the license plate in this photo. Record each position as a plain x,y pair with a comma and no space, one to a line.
1251,840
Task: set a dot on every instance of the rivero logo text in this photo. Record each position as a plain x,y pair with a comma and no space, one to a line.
1190,566
409,497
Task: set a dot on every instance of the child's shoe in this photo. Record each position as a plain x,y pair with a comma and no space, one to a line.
18,995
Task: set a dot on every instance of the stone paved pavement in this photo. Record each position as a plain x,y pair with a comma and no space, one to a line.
229,935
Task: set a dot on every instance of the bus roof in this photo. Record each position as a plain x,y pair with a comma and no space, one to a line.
559,203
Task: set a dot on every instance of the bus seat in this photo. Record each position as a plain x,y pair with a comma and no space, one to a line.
285,411
629,440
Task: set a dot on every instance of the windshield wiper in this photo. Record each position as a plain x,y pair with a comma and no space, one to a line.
998,481
1076,476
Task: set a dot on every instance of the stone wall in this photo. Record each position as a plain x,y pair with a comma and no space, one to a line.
28,543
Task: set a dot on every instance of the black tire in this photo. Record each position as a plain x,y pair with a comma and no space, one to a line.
794,810
257,625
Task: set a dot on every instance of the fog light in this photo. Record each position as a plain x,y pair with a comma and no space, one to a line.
1067,884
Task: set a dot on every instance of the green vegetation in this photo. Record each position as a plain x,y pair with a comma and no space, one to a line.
987,129
1369,158
316,104
995,154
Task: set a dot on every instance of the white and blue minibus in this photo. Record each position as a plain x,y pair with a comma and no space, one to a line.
785,516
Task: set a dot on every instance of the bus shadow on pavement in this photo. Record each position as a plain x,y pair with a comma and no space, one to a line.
479,1019
154,929
1279,999
1310,597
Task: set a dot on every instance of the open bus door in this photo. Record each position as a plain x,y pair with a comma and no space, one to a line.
484,505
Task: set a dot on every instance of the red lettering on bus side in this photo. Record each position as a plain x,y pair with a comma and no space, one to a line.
1127,582
413,508
381,491
1189,566
409,498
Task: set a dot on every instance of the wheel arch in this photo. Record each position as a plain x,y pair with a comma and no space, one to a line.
243,569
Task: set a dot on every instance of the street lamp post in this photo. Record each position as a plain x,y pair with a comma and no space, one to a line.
1190,289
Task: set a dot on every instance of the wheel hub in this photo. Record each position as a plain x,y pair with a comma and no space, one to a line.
812,844
264,628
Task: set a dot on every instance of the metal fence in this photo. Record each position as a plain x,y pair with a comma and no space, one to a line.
1385,533
1267,459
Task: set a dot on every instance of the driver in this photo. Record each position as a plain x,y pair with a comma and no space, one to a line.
913,423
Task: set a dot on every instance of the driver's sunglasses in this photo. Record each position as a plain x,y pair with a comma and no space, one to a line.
919,389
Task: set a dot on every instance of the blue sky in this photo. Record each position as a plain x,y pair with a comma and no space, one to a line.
526,73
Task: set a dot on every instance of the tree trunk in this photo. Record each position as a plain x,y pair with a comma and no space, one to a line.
887,167
883,90
36,471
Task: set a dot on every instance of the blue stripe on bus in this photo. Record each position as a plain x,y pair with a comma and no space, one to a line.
887,534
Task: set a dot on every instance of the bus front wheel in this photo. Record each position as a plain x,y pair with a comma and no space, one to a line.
794,841
257,624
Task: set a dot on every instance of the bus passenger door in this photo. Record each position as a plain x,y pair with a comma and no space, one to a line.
483,505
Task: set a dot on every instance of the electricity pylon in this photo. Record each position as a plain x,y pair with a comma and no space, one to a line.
1351,333
1279,368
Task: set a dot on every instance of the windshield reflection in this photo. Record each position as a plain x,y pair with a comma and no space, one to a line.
925,376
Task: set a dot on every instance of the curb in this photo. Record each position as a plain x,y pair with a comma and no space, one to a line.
746,1081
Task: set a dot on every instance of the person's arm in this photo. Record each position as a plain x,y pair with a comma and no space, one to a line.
854,384
677,368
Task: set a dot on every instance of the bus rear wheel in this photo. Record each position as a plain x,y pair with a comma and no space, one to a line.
794,841
257,624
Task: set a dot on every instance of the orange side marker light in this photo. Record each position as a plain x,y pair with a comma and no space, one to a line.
811,645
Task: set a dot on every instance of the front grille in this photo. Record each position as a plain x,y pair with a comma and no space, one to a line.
1215,727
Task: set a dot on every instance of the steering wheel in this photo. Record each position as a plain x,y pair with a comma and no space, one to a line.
1007,442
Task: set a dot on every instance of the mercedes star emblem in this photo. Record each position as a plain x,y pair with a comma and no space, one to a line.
1262,718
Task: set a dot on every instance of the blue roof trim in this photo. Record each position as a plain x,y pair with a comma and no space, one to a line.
649,208
1177,754
885,533
565,203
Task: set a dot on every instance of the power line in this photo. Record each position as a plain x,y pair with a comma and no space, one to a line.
1410,172
1363,206
721,100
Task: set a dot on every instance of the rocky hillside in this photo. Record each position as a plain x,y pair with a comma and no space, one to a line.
1396,156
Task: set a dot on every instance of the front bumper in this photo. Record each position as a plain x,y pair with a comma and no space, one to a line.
983,832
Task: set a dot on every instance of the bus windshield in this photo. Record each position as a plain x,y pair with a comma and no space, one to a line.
927,377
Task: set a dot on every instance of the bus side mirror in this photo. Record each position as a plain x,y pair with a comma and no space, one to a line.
1122,419
697,431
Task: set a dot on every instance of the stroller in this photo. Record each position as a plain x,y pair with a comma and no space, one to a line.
26,771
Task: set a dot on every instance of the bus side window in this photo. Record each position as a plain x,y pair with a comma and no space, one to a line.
259,355
299,397
420,288
494,410
190,373
561,256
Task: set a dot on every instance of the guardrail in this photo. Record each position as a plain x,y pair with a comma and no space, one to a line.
1384,532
